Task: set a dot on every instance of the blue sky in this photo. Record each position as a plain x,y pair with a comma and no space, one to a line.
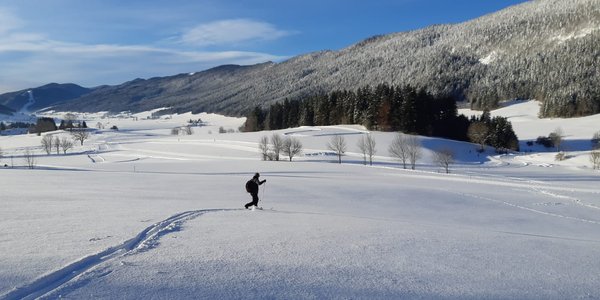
94,42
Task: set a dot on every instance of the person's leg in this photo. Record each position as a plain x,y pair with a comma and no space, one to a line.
255,199
253,202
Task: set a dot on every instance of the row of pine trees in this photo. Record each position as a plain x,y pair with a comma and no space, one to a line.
383,108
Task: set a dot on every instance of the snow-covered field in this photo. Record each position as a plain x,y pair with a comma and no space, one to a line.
142,214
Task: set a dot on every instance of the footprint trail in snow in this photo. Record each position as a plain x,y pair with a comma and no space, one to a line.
144,241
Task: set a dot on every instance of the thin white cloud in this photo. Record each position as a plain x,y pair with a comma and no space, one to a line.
31,59
8,21
234,31
38,46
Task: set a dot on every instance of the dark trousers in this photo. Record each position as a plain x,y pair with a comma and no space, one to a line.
254,200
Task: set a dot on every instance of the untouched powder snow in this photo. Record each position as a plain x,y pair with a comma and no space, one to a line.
140,213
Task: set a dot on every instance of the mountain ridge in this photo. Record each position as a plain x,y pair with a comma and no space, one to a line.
43,96
542,49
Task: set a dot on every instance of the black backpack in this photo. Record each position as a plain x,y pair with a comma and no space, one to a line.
251,186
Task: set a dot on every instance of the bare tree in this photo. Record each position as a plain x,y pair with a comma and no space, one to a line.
596,141
444,158
414,150
362,146
292,147
557,137
29,158
338,145
66,144
70,117
478,133
277,142
56,145
80,135
367,144
47,143
595,159
183,130
263,145
188,130
399,148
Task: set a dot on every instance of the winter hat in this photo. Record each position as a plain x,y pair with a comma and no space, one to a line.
256,175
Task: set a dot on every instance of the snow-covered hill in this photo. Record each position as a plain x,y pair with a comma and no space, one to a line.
140,213
524,116
30,100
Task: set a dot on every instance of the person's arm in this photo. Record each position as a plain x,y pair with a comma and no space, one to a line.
263,181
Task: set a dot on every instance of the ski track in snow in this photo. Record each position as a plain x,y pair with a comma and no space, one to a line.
544,188
144,241
180,156
570,198
524,208
95,158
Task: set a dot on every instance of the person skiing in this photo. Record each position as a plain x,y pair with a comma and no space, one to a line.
252,188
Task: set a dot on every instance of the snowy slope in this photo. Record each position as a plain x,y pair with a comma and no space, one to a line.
528,126
577,133
139,213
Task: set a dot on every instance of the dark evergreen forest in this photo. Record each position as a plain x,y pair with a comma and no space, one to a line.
383,108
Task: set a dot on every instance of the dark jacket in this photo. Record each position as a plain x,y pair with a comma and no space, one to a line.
258,182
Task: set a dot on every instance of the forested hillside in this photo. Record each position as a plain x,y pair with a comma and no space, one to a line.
387,108
42,97
544,49
6,110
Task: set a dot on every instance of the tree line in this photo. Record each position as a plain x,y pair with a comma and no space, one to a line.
406,148
383,108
